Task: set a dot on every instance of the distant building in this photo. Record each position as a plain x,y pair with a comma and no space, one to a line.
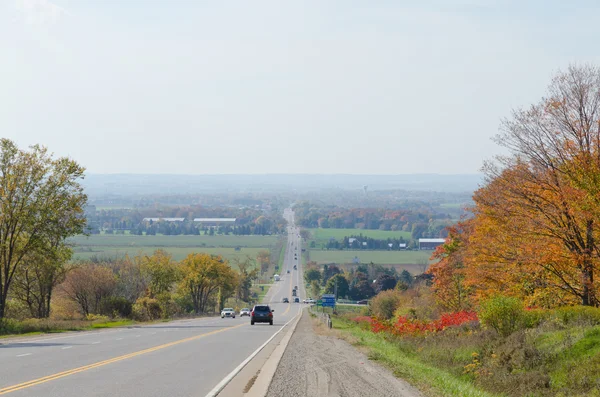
163,219
215,220
430,243
351,241
402,245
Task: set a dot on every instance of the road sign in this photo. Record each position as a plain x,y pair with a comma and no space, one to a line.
328,300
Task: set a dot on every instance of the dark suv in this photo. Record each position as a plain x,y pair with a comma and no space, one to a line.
261,314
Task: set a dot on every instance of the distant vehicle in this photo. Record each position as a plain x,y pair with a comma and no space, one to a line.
296,287
285,300
293,292
295,267
288,270
228,312
245,312
311,301
276,277
261,314
296,300
362,302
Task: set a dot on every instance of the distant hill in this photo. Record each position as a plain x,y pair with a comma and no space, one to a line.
142,184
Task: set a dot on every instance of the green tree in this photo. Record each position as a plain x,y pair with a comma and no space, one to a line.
342,286
40,199
311,275
161,271
203,277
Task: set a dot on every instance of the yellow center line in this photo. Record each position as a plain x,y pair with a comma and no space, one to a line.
73,371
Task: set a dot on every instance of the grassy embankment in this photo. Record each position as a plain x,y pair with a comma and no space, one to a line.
558,357
11,327
178,246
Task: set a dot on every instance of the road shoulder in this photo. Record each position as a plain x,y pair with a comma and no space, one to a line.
319,364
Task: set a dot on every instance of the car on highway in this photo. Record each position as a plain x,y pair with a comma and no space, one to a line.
310,301
228,312
245,312
362,302
296,300
285,300
288,271
261,314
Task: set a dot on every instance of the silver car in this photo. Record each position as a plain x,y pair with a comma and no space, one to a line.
245,312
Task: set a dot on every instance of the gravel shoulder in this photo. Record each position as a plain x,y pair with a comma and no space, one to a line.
323,365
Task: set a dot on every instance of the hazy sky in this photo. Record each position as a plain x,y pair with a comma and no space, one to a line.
348,86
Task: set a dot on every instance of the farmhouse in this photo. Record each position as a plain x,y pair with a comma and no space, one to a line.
430,243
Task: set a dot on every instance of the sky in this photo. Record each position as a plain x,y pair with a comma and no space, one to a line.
253,87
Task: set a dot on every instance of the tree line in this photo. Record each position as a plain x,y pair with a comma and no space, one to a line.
363,282
249,221
422,221
42,204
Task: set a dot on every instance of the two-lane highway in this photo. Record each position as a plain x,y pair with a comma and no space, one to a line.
179,358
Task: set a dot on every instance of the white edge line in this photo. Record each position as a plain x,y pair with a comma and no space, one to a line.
221,385
25,354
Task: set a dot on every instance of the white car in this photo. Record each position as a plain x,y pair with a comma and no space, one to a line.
311,301
228,312
245,312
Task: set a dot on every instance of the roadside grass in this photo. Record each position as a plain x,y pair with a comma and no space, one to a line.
574,364
406,365
559,356
411,258
10,327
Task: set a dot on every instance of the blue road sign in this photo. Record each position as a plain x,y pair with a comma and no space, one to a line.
328,300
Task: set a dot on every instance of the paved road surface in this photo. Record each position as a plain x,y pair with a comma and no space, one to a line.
180,358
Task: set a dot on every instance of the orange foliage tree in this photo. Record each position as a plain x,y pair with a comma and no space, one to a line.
535,228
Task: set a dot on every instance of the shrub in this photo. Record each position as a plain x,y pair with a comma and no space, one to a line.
385,304
145,309
578,315
503,314
116,307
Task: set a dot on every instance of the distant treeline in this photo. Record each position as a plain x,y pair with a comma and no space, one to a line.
420,219
363,242
249,221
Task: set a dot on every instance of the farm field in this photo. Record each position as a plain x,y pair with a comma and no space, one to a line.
178,253
380,257
178,246
129,240
319,234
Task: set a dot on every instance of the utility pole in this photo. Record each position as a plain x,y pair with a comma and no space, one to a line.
335,288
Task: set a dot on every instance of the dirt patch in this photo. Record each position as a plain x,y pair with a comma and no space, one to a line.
251,382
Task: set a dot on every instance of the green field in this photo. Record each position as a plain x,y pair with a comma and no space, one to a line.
380,257
178,246
325,234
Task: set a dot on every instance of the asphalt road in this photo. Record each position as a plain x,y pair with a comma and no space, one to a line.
179,358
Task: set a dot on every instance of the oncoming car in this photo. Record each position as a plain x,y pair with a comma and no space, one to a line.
261,314
245,312
228,312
